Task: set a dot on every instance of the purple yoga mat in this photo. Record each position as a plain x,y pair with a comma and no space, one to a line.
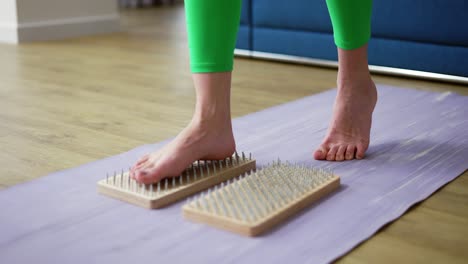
419,143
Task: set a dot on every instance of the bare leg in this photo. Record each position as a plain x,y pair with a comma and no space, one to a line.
349,130
208,135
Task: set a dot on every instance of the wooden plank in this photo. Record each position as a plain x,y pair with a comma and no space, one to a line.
259,202
199,176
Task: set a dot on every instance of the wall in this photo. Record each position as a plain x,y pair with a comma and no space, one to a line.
8,21
57,19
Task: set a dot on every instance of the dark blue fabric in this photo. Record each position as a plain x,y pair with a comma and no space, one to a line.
245,13
244,34
243,38
297,43
311,15
431,21
425,35
384,52
429,57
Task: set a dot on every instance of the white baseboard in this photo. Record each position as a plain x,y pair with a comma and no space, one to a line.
59,29
8,33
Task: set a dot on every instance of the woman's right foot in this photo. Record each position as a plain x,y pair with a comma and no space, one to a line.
200,140
208,136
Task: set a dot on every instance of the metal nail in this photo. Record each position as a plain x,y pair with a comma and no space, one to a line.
121,178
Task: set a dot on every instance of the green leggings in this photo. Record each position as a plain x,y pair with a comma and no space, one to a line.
212,29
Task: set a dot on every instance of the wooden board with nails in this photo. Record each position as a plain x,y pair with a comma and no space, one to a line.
256,203
198,177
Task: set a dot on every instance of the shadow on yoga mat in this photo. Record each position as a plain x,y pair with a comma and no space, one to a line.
419,143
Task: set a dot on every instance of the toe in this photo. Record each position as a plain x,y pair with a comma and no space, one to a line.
340,153
143,165
142,159
145,175
135,169
142,168
361,150
321,153
332,153
151,175
141,162
350,151
154,172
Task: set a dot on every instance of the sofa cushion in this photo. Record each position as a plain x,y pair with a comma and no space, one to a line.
385,52
245,13
434,21
295,43
243,38
419,56
307,15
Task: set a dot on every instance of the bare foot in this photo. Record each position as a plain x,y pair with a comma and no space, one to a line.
208,136
349,131
198,141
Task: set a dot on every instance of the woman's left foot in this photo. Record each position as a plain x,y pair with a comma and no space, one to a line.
349,131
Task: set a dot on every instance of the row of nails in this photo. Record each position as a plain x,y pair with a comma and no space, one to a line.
195,169
260,193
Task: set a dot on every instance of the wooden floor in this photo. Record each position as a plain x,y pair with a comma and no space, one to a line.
66,103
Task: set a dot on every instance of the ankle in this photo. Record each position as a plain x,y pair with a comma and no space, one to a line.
213,92
355,74
353,68
211,121
212,113
361,80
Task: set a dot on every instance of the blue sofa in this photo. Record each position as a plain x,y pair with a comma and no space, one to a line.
422,35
